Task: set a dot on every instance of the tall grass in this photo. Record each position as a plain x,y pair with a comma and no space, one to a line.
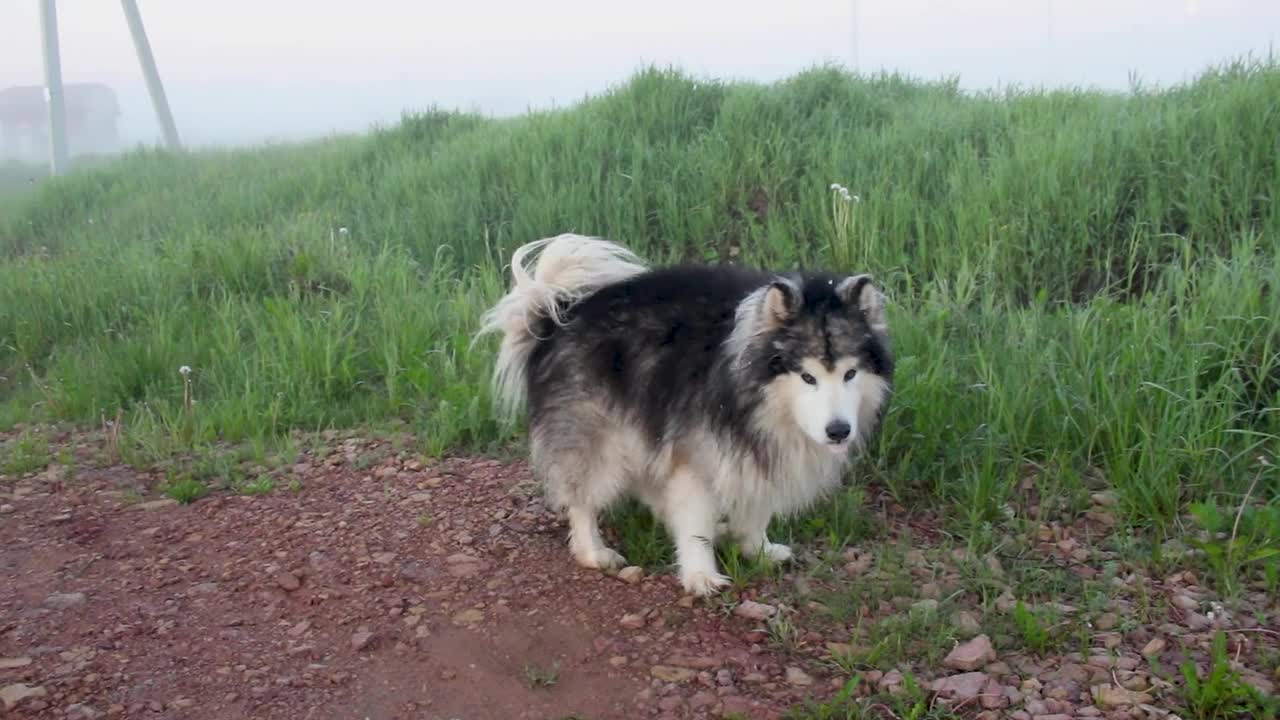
1082,284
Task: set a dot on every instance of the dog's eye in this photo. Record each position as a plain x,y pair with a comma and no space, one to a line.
808,378
849,375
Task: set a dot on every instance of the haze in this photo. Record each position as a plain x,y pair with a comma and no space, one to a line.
246,71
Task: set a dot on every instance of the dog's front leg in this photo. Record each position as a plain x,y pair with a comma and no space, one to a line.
749,523
691,516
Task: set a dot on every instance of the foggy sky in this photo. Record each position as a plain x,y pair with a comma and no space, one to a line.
248,71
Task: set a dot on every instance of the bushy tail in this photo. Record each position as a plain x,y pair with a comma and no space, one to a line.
568,268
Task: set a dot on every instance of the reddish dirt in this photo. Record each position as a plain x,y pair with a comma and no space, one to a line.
404,589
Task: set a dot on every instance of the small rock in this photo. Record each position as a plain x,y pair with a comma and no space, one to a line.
7,508
967,623
1104,499
702,699
151,505
12,663
963,686
1106,621
300,628
890,680
926,606
631,574
1111,697
671,703
798,677
971,655
288,581
752,610
362,641
666,673
383,558
632,621
618,661
468,617
13,695
63,601
1184,602
80,711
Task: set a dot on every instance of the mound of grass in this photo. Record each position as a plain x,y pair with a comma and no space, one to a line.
1082,284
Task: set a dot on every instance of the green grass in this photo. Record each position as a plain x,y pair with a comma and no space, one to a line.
1081,283
185,489
25,453
1221,693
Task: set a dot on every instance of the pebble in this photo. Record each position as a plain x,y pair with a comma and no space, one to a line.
967,623
631,574
798,677
468,617
362,640
12,663
632,621
13,695
288,581
752,610
1106,621
7,508
1109,696
962,686
971,655
667,673
152,505
63,601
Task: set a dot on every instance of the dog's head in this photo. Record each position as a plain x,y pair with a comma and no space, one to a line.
819,343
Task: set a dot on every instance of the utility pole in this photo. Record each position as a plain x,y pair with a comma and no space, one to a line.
53,88
149,72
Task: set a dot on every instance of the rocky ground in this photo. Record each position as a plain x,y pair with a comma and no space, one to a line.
363,581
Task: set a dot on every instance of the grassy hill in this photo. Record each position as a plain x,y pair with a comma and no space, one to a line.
1081,284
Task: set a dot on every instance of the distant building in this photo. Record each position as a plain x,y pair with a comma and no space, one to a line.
92,116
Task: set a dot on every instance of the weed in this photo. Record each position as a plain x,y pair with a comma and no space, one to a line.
911,702
1221,694
261,486
1239,548
26,453
538,676
185,489
1037,628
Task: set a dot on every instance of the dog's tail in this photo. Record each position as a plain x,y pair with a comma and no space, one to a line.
568,268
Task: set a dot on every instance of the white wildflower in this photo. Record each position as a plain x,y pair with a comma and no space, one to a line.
185,370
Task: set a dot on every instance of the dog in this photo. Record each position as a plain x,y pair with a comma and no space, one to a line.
706,392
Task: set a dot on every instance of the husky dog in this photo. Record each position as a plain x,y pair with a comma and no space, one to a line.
707,392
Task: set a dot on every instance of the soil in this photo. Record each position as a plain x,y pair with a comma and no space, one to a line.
373,583
405,589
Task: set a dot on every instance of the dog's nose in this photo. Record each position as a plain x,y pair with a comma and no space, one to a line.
838,431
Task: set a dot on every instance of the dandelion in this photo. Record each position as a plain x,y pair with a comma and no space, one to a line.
185,372
343,231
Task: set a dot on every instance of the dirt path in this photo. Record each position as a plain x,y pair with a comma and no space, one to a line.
370,583
400,590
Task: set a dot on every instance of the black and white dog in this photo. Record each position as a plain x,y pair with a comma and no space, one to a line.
704,391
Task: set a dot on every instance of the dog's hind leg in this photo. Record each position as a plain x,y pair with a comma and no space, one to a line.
749,523
691,515
583,475
585,543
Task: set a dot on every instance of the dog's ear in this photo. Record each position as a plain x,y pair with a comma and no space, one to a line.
860,291
781,303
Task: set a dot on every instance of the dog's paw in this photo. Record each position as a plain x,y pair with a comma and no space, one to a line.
704,584
777,553
601,559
